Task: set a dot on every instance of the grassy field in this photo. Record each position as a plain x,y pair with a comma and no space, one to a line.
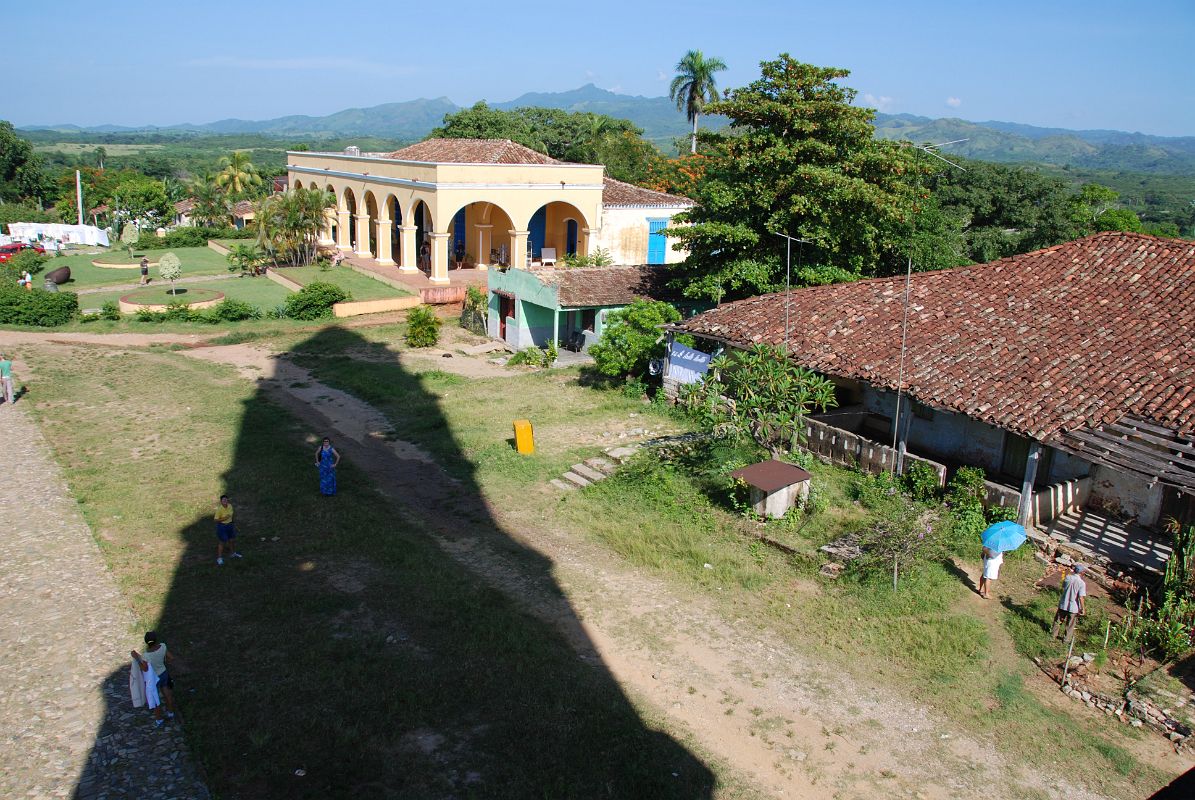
78,148
361,287
85,275
926,641
261,292
344,644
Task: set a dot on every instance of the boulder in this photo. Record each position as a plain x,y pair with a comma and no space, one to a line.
59,276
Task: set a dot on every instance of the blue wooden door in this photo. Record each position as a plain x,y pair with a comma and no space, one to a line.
657,242
570,246
537,232
458,233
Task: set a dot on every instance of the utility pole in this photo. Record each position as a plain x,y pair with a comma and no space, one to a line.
79,194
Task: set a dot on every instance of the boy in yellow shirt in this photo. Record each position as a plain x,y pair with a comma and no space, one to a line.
226,532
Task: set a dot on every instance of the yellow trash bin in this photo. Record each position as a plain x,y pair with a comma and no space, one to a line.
524,437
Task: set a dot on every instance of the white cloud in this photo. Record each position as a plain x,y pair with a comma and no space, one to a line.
302,64
953,102
881,103
661,75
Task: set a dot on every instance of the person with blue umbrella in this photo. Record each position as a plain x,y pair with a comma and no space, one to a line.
997,540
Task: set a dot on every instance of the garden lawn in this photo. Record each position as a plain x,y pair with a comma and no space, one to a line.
84,275
361,287
345,644
924,640
261,292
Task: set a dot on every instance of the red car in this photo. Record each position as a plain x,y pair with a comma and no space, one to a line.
7,251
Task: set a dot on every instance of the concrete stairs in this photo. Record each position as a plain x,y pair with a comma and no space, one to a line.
593,470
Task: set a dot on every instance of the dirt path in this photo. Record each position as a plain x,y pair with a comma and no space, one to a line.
793,727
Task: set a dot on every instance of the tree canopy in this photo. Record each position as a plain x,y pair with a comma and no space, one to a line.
21,174
567,135
799,159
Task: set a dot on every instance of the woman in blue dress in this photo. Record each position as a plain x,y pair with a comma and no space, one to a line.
326,458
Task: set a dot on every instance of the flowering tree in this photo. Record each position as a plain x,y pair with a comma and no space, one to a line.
902,536
170,268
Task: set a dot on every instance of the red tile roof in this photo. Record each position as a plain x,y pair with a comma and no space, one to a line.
617,193
243,208
1077,335
184,206
471,151
605,286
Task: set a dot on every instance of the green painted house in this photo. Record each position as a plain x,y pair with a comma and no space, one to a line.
530,307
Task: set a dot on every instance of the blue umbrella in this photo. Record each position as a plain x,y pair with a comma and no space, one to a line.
1003,536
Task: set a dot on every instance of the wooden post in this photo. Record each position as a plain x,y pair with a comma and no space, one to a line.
1026,505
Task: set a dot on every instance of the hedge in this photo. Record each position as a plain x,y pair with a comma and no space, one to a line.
315,300
37,307
190,237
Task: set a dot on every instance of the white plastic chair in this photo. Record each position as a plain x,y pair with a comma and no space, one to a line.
547,255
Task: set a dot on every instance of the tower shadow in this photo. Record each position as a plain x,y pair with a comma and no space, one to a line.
392,641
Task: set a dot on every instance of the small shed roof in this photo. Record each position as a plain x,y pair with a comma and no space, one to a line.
768,476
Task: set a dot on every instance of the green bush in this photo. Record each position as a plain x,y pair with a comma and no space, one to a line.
38,307
188,237
474,311
26,260
631,338
966,487
110,310
1001,514
315,301
423,327
228,310
921,481
874,491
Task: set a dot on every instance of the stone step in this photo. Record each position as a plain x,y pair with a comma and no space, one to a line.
589,473
564,486
575,478
601,465
621,453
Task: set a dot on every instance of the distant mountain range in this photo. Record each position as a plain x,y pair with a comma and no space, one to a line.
662,123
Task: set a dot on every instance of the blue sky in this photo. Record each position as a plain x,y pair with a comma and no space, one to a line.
1093,64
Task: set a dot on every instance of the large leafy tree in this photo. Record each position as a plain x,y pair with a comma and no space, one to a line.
568,135
799,159
21,174
632,338
238,177
142,200
1005,210
694,86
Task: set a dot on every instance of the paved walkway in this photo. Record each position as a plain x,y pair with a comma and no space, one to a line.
67,727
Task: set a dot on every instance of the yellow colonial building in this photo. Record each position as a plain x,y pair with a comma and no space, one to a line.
476,203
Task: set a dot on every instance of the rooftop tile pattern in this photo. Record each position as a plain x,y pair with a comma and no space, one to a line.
606,286
1077,335
471,151
619,193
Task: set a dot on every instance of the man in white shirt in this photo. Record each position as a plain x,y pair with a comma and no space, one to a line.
1073,603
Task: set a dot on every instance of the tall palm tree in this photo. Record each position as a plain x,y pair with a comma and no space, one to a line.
211,209
694,86
237,174
289,223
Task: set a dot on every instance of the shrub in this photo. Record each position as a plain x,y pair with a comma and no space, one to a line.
535,357
632,338
315,301
189,237
177,312
245,258
921,481
1001,514
873,491
966,487
37,307
149,315
26,260
902,537
110,310
474,311
423,327
277,312
234,311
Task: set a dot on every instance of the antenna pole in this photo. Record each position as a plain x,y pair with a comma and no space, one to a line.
900,375
79,195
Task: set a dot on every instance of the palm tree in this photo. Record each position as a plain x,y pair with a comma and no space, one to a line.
237,174
694,86
211,208
289,224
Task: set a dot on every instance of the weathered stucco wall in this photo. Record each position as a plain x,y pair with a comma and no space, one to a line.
625,233
947,436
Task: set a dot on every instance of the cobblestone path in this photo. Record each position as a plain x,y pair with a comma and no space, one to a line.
67,726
